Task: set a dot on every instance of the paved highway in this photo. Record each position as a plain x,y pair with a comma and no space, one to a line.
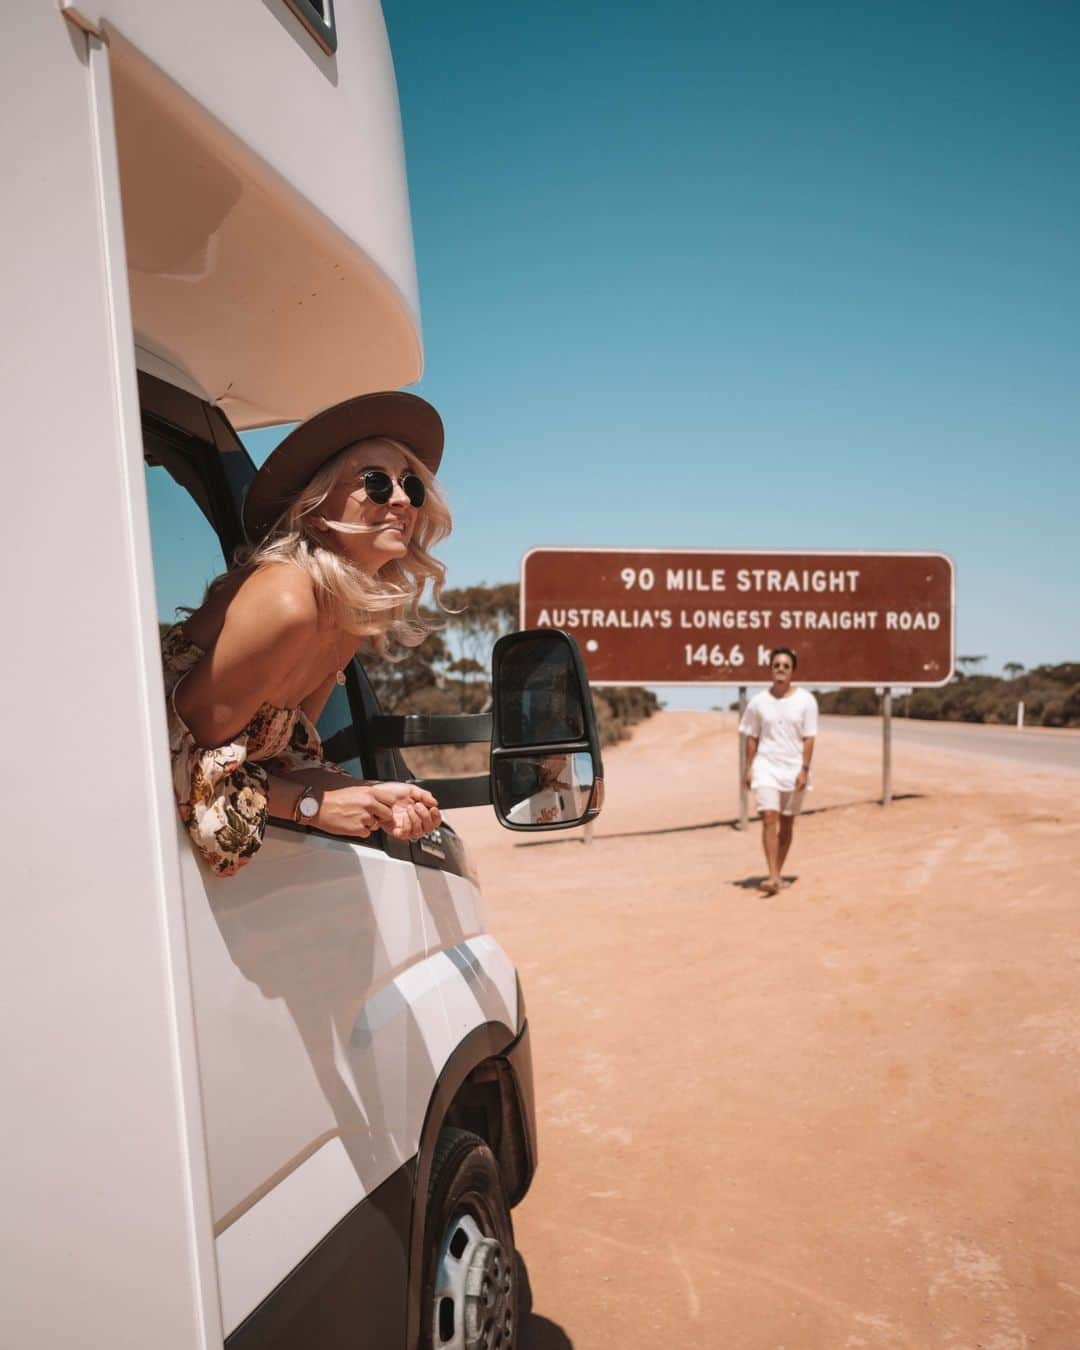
1056,751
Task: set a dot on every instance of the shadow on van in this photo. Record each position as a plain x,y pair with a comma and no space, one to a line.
305,1033
535,1332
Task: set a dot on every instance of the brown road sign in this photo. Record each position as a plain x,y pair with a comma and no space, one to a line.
691,616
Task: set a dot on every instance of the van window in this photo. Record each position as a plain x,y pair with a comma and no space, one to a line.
187,524
187,551
317,16
337,735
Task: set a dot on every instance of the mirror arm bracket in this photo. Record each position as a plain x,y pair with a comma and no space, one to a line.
457,793
398,733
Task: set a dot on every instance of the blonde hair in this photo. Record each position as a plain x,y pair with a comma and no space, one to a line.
383,608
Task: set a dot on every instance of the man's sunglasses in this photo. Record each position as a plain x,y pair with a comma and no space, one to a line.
379,486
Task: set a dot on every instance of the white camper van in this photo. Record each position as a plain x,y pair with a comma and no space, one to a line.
293,1107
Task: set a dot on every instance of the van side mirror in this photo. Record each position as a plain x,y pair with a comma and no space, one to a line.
546,768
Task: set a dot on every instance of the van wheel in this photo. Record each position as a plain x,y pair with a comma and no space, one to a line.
470,1291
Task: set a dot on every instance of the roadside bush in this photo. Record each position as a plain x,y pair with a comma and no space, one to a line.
619,709
448,673
1050,694
922,703
1033,708
852,702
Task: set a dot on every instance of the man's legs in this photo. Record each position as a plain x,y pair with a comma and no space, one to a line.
783,841
770,842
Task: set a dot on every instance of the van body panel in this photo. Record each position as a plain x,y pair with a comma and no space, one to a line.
271,1239
293,965
332,984
105,1190
351,1292
328,126
253,1071
452,910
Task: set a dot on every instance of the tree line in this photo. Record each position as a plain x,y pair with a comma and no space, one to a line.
450,672
1050,695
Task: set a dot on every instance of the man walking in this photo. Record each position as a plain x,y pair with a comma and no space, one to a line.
780,725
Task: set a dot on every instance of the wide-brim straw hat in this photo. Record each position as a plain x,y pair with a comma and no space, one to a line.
397,416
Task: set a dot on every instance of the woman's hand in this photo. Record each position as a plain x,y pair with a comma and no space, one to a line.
403,810
415,811
801,780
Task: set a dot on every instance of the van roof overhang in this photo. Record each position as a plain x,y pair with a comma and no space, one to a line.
234,276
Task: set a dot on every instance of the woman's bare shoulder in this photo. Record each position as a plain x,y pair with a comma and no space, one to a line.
284,595
274,606
278,596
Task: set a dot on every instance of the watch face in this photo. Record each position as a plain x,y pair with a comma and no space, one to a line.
309,806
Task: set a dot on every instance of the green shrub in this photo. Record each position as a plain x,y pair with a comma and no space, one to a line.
1050,694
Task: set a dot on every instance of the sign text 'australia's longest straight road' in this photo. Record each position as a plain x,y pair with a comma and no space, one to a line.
681,616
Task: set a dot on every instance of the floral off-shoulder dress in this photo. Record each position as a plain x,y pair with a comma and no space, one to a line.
222,792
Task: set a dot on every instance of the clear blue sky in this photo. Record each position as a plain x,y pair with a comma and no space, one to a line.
757,276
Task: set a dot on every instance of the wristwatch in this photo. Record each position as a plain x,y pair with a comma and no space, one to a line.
307,806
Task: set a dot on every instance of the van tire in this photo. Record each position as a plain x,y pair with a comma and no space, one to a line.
470,1287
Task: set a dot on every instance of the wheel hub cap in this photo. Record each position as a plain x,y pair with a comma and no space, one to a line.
474,1290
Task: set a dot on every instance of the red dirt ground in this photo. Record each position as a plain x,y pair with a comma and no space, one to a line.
846,1116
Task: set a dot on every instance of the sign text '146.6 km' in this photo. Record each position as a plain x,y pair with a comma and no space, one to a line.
651,616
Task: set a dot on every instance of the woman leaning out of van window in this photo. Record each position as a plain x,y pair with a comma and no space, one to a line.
340,518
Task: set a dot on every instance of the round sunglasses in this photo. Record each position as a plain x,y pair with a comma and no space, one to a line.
379,486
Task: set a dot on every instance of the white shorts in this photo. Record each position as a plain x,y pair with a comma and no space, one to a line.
772,799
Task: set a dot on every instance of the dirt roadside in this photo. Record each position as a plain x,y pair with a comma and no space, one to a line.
845,1116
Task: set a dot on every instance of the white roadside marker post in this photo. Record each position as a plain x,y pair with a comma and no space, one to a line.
1020,713
744,805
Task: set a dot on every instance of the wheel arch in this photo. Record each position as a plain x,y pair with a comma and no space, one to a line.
485,1087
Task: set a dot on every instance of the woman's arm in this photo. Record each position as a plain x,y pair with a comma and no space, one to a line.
348,805
263,654
355,807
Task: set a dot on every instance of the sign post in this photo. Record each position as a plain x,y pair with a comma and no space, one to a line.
744,791
886,746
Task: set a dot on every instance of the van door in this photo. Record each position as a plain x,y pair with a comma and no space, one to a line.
320,1022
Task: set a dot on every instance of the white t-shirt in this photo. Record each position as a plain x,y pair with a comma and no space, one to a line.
780,725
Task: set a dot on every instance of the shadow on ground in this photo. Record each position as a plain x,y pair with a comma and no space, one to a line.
755,883
732,824
536,1332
